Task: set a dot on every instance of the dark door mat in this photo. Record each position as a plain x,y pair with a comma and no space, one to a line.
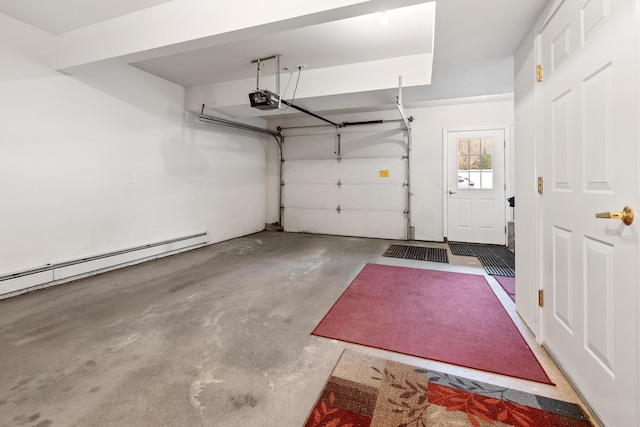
419,253
496,260
461,249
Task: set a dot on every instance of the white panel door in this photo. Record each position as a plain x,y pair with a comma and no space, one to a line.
589,128
475,186
356,188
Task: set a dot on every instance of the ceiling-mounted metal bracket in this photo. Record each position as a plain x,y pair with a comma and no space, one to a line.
259,67
266,100
407,120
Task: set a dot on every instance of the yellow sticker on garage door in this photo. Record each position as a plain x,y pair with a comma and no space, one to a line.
384,174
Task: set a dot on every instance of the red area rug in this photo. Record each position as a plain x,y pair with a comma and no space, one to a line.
367,391
450,317
508,284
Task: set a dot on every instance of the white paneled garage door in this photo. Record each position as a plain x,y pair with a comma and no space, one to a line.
354,185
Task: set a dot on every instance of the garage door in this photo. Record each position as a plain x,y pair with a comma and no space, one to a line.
354,185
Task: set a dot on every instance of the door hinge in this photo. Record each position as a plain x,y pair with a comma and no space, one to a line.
541,298
539,73
540,185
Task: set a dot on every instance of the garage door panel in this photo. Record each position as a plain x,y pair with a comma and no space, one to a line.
390,143
390,198
309,147
371,193
367,171
310,172
318,196
385,225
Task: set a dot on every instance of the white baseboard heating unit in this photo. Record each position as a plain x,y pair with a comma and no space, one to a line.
53,274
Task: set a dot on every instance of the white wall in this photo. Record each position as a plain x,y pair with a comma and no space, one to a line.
426,156
69,143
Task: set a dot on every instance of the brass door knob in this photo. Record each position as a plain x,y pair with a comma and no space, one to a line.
626,215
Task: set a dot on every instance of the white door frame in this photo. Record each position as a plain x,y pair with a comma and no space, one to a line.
539,311
638,174
508,176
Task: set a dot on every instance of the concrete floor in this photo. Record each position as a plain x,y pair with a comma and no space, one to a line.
218,336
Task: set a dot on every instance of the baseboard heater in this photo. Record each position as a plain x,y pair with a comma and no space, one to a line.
53,274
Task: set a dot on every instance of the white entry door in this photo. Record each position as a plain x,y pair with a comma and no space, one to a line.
475,188
589,128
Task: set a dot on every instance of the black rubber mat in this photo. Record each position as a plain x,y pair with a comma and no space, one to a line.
419,253
406,252
496,260
461,249
437,255
500,271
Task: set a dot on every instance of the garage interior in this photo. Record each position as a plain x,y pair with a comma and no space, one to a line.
217,336
168,248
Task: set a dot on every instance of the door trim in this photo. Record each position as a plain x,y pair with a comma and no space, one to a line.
508,177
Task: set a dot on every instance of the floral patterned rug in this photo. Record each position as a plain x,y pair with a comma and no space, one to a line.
365,391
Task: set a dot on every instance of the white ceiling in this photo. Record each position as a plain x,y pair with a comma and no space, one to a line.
60,16
472,47
348,41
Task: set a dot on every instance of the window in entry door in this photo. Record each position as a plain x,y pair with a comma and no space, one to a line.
475,163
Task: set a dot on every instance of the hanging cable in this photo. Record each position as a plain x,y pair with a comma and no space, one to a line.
294,90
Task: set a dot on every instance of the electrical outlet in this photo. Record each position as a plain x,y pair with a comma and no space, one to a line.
132,177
